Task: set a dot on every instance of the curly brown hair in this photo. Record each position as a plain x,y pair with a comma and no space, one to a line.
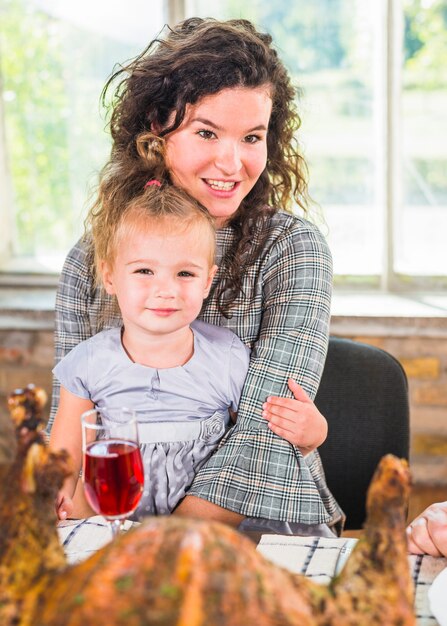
197,58
137,191
135,196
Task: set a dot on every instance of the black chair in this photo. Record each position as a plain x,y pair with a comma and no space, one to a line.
364,396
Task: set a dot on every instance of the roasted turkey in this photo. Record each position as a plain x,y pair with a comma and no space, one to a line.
182,572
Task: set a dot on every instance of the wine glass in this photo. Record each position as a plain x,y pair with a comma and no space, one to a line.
113,474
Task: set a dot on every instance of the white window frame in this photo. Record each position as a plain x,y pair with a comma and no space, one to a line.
16,272
389,176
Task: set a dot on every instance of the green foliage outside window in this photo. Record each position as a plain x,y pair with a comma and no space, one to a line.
52,72
36,110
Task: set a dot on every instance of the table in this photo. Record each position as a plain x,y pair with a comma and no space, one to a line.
319,558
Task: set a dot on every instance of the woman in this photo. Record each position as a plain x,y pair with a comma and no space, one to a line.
221,100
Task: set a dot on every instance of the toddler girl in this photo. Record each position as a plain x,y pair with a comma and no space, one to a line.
182,376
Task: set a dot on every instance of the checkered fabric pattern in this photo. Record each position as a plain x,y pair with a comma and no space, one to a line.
81,538
318,558
321,559
283,315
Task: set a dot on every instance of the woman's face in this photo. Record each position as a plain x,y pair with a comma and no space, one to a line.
220,149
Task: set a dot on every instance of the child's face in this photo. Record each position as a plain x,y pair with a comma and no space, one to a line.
160,278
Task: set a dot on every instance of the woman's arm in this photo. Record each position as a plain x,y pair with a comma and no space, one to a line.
79,309
294,336
72,320
67,434
192,506
254,472
294,332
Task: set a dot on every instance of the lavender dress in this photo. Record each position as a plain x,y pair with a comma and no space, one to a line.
182,411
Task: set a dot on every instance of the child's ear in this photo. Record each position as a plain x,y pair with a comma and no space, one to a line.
211,275
107,280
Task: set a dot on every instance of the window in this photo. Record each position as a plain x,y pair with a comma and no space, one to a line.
374,110
54,60
373,105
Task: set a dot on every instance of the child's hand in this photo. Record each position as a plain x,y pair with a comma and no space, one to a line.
296,420
64,506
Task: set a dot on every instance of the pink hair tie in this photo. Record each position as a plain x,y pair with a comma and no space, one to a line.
155,182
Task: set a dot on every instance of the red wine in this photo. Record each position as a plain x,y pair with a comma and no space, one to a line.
113,476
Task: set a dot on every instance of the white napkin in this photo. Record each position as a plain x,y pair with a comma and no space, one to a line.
437,597
81,538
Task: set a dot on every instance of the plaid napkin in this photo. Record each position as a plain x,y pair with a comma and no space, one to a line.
319,558
81,537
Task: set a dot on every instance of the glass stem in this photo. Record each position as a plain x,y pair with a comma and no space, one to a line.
115,526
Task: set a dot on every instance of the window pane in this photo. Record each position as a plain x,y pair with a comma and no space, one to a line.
332,49
420,245
55,57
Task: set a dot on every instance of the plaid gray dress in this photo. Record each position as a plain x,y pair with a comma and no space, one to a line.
283,316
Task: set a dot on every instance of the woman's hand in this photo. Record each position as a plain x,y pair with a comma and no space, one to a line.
427,534
296,420
64,505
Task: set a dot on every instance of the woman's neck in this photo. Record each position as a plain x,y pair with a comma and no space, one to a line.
159,351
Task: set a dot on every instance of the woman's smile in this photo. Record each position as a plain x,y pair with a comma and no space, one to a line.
221,185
